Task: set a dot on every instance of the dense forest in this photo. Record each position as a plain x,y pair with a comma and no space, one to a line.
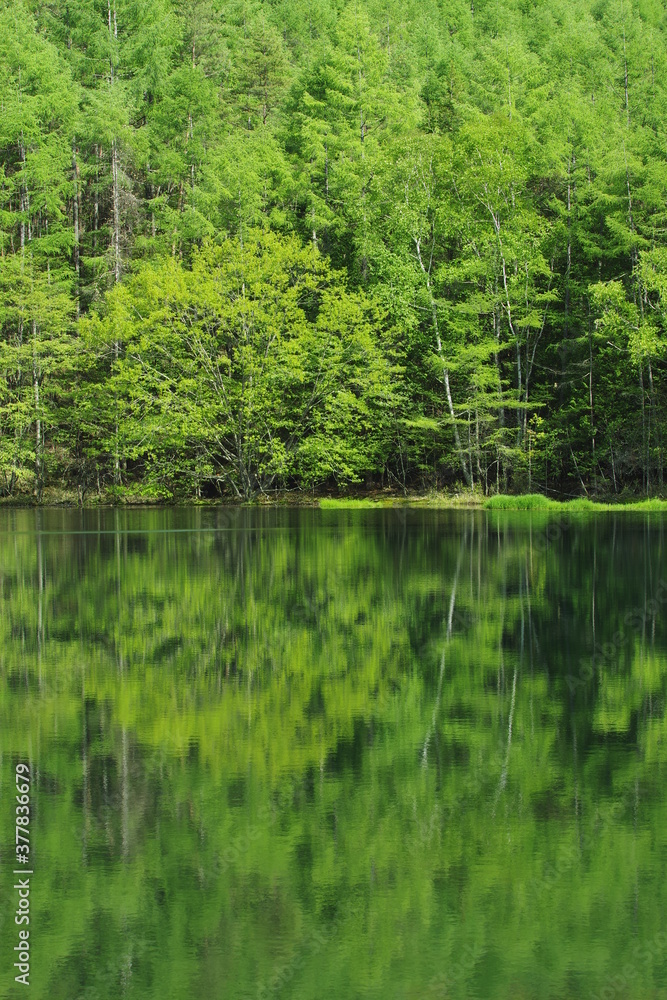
250,247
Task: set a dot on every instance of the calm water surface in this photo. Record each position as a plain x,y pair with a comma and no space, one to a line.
347,754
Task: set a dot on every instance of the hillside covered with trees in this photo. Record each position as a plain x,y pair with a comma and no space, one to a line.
312,244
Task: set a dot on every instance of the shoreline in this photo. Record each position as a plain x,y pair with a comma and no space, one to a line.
522,502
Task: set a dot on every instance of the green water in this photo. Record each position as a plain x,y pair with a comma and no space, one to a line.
348,754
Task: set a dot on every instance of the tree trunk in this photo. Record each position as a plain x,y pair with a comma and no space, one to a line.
645,481
625,67
590,394
445,371
23,199
75,214
192,163
117,274
656,424
38,423
96,205
116,213
501,408
477,452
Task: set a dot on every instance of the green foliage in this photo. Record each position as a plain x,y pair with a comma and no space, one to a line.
263,355
486,182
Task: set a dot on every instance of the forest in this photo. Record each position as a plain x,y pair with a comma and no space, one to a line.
257,247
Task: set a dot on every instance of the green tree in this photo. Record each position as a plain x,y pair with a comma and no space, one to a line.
263,360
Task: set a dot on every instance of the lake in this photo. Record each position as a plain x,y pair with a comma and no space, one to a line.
336,753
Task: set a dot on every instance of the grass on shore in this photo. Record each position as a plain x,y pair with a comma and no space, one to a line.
521,502
438,500
535,501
